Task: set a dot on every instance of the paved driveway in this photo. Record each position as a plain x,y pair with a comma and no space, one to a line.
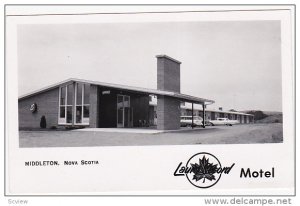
237,134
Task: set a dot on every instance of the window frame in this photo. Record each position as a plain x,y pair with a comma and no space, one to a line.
84,120
63,121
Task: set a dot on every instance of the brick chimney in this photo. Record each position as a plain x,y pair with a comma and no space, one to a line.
168,73
168,79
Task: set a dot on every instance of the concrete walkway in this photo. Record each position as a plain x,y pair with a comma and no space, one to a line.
120,130
146,130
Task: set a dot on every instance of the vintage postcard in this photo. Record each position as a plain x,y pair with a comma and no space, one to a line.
150,100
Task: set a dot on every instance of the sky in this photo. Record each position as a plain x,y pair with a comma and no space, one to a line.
235,63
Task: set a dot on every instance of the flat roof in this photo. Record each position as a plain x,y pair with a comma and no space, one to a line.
176,95
219,111
207,110
216,110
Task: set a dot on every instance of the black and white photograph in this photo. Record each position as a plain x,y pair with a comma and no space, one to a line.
209,84
173,83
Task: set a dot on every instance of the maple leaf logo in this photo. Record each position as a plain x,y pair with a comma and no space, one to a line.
204,170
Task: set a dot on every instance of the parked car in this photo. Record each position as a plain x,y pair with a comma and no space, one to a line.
223,121
186,121
208,123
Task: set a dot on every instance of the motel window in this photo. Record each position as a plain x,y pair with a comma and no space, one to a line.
70,93
63,95
62,102
65,104
208,117
82,102
126,102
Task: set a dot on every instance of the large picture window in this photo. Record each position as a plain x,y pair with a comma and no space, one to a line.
82,102
66,95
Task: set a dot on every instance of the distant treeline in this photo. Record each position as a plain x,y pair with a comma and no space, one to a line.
258,115
266,116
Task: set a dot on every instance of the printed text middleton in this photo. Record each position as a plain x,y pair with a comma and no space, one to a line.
65,162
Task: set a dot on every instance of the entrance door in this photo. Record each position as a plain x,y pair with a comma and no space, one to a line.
123,111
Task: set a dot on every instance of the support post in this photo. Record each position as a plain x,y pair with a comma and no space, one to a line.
192,115
203,114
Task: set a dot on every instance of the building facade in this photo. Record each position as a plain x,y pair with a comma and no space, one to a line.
83,103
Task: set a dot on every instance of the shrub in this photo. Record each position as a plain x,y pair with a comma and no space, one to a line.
43,123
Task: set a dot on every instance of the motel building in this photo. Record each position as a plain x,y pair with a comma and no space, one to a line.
187,109
77,103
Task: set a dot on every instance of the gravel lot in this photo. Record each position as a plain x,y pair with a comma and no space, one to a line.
237,134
